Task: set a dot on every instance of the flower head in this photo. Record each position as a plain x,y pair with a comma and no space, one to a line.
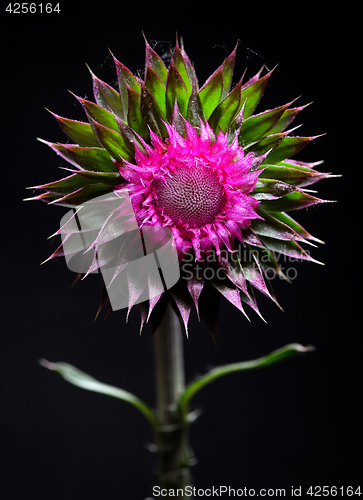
198,186
195,160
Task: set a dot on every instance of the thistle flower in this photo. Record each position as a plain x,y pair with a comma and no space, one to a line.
195,160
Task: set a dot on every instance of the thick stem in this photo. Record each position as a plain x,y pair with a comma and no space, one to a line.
172,434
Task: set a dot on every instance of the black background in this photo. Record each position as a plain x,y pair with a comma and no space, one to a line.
294,424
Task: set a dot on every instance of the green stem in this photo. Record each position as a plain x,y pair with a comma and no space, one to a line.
172,433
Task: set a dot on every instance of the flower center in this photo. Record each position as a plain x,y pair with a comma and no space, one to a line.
191,195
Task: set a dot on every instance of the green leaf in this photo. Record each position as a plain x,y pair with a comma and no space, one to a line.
195,108
83,194
66,185
80,379
290,222
156,87
227,72
81,133
178,122
109,178
267,261
182,69
234,271
153,60
61,150
211,92
229,291
292,201
152,114
112,141
94,159
175,91
253,93
99,114
226,110
289,146
134,118
107,97
261,147
256,127
278,355
126,80
272,227
270,189
252,269
286,247
189,66
291,175
286,119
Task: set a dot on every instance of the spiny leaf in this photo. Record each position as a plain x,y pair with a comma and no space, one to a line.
211,92
252,270
81,133
152,114
226,110
134,118
156,87
109,178
195,287
195,108
182,69
286,247
99,114
83,194
230,292
289,146
253,93
126,80
270,189
178,121
234,271
256,127
265,145
291,175
297,228
107,97
227,72
268,262
272,227
61,150
292,201
286,119
65,185
153,60
183,301
175,91
94,159
111,141
188,65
